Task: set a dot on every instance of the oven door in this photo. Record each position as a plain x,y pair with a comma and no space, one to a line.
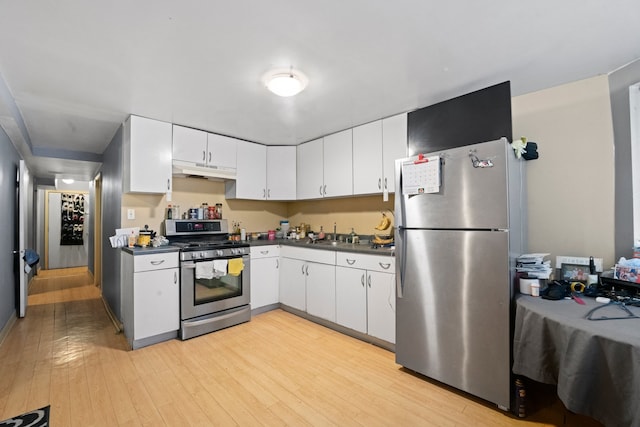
211,285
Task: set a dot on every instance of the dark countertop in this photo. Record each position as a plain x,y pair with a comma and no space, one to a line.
137,250
326,246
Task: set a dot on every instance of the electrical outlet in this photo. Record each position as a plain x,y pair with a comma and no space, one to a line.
577,260
131,214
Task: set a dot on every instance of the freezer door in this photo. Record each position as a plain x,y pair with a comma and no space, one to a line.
470,196
453,310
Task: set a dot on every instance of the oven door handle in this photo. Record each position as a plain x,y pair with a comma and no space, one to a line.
190,265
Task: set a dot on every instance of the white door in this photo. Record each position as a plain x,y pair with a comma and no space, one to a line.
22,191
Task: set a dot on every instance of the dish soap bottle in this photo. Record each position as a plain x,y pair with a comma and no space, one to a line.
353,237
132,239
321,234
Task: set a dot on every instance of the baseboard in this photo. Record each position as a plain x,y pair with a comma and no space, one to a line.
116,323
4,332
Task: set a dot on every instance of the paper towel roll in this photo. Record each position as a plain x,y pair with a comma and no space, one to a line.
525,285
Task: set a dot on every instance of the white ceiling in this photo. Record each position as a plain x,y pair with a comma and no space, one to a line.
76,69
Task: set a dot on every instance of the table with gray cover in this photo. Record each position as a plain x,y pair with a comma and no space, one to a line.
595,364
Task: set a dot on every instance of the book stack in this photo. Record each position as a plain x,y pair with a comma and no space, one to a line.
534,266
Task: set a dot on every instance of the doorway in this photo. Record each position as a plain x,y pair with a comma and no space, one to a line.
66,235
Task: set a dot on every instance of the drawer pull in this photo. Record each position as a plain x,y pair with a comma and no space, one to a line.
157,262
350,261
385,266
264,252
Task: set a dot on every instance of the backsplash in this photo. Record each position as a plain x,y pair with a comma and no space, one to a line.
361,213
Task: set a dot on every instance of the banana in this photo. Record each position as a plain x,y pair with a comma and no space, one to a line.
379,240
384,223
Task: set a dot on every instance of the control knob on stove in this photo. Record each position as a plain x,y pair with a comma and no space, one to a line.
220,252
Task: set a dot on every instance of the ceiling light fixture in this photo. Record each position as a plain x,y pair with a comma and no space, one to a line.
285,82
68,180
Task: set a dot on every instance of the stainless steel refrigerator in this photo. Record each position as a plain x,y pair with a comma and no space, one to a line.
459,227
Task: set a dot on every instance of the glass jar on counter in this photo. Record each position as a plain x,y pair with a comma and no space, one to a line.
219,210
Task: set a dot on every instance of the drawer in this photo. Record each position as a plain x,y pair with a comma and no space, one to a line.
386,264
155,261
321,256
270,251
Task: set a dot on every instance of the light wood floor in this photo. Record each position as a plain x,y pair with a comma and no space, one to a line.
277,369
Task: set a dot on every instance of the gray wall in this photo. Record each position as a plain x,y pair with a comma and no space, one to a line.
111,219
9,161
619,82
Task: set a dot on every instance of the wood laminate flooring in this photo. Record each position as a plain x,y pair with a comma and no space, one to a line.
278,369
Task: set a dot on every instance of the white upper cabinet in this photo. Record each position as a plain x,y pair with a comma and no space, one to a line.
146,148
309,176
338,164
394,146
251,179
190,145
200,148
367,158
222,151
281,172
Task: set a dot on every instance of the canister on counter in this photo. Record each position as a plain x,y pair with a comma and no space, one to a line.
271,234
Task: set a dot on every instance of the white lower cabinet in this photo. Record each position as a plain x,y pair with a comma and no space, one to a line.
307,281
150,297
265,273
321,290
365,298
293,283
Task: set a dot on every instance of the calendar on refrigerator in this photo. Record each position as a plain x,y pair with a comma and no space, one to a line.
421,176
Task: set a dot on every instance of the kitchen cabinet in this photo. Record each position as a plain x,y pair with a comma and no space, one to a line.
394,146
146,152
281,172
150,297
376,146
310,170
197,147
365,294
265,274
367,158
251,179
307,281
338,164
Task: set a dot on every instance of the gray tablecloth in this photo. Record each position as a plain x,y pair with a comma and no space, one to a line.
595,364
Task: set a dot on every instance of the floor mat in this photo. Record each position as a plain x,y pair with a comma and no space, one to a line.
35,418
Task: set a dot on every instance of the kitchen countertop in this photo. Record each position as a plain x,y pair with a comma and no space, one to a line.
327,246
137,250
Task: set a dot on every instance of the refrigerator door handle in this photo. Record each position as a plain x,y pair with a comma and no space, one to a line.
400,261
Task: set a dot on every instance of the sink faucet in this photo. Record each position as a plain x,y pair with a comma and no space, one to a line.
335,234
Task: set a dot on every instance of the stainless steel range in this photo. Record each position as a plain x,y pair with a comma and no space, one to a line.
214,276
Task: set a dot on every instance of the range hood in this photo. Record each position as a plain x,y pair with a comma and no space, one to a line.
186,169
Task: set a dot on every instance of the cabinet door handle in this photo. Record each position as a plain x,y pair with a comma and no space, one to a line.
168,183
209,156
157,262
303,269
175,277
268,193
379,183
321,190
325,190
362,280
307,269
277,263
350,261
385,265
385,183
369,280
